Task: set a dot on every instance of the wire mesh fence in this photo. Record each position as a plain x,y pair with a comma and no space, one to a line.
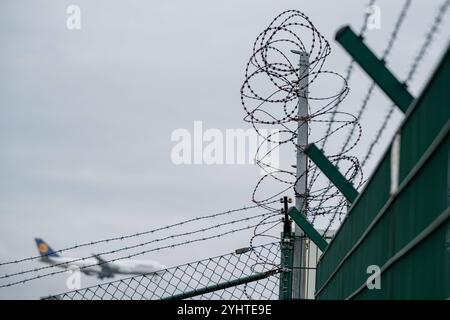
248,273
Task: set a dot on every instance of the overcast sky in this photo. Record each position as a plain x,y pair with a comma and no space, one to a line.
86,115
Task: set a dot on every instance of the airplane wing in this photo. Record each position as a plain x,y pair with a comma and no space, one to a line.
107,271
88,273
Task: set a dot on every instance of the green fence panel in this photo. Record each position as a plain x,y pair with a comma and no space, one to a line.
386,230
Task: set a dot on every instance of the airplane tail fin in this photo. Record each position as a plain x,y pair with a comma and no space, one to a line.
44,249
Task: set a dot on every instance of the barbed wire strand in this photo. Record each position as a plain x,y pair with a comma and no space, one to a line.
100,263
429,37
138,234
145,243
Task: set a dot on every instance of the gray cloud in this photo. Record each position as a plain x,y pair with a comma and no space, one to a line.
86,116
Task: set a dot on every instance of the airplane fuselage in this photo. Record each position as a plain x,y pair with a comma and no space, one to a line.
106,270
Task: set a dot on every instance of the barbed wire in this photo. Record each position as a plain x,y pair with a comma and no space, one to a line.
361,110
387,50
105,261
192,276
348,74
141,244
429,37
134,235
271,64
322,144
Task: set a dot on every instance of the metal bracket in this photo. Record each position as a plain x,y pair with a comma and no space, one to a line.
332,173
375,68
308,228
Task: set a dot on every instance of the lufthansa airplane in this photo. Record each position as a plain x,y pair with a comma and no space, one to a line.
97,265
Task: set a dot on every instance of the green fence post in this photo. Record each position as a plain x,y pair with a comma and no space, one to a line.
308,228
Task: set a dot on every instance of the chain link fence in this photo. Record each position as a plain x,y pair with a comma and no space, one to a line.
248,273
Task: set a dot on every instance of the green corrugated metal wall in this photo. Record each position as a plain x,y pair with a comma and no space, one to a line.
379,225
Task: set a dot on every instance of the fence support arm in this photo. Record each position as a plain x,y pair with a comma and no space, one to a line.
332,173
374,67
308,228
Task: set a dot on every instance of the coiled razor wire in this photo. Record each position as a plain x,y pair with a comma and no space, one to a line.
270,97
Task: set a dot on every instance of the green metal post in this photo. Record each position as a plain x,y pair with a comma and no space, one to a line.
375,68
287,256
308,228
332,173
287,259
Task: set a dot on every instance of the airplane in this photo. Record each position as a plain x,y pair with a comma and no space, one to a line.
97,265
